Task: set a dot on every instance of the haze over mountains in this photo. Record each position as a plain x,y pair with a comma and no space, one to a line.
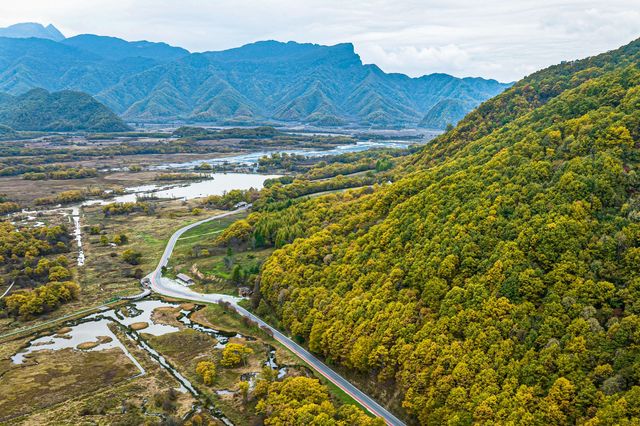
32,29
260,82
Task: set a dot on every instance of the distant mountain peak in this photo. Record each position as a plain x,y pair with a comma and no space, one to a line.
116,48
273,50
55,33
32,29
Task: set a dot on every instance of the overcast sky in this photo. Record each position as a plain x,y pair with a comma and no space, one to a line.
489,38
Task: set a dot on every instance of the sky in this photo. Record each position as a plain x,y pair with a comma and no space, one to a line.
499,39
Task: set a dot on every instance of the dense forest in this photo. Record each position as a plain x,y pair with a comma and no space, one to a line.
39,110
496,279
304,401
34,259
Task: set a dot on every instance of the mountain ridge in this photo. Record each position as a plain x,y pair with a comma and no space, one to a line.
258,82
114,48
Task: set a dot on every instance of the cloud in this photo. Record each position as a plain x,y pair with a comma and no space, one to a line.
415,60
489,38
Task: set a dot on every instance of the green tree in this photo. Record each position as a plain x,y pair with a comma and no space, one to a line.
132,257
237,275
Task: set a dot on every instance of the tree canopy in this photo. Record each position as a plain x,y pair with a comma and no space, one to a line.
497,279
304,401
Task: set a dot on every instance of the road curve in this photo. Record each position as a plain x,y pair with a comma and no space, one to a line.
7,290
169,288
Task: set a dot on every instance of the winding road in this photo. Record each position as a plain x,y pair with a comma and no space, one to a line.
7,290
169,288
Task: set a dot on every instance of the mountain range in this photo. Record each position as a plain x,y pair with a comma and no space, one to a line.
260,82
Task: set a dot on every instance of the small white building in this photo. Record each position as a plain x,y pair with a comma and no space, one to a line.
185,279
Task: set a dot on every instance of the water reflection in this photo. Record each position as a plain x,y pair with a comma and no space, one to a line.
141,312
96,332
92,331
215,184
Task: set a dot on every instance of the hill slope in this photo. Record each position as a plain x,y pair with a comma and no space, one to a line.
262,81
497,279
39,110
446,112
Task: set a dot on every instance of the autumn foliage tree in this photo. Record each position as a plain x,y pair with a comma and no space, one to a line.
207,370
235,354
496,280
29,303
304,401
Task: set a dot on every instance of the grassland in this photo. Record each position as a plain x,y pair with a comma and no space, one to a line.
105,273
95,387
48,378
99,387
83,387
211,266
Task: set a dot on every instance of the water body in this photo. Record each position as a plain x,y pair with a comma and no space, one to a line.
96,328
216,184
77,231
91,327
72,212
140,312
272,363
251,159
84,332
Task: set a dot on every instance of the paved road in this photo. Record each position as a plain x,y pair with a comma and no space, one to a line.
7,290
169,288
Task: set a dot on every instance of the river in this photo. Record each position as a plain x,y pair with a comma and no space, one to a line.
216,183
251,159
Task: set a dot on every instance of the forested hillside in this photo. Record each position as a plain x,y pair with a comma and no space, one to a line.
497,279
39,110
445,113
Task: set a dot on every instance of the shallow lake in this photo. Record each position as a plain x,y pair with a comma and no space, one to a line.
216,184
